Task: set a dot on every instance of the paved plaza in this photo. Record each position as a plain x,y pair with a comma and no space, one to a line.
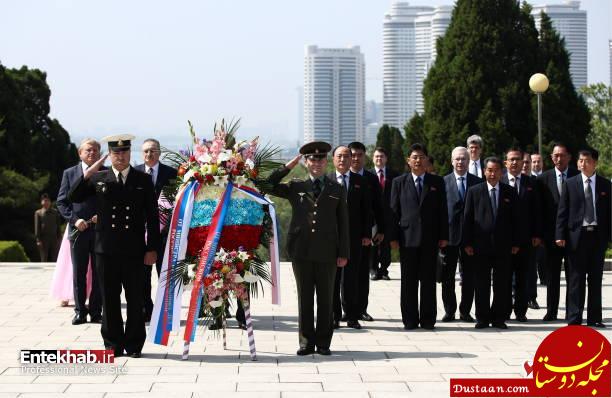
381,360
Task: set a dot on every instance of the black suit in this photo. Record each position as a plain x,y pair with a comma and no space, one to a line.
377,217
530,226
123,212
82,248
347,278
454,251
318,235
164,175
421,222
492,238
586,246
381,254
547,182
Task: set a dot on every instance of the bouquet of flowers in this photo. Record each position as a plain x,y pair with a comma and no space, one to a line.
217,219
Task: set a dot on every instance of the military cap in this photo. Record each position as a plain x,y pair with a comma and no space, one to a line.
119,142
315,149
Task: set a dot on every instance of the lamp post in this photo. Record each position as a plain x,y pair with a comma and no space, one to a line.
539,84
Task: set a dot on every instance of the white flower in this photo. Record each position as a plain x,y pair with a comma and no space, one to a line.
190,271
205,158
218,284
240,180
224,156
220,181
215,303
251,278
238,279
221,255
249,163
243,255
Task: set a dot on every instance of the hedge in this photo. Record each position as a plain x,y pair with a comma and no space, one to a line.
12,251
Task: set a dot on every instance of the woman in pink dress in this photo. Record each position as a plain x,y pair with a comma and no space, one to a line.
62,282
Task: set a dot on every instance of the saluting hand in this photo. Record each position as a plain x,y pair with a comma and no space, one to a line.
341,262
293,162
94,168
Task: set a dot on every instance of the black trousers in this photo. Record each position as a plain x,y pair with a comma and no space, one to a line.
48,249
380,259
520,267
363,280
532,273
554,258
586,266
418,270
346,293
486,311
454,254
117,272
311,277
148,271
540,256
81,250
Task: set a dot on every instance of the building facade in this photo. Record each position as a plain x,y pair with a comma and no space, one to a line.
571,23
409,50
334,95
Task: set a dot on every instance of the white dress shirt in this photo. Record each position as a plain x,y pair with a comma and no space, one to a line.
515,182
339,179
584,186
124,173
474,168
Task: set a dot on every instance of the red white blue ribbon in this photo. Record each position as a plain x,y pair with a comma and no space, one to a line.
166,315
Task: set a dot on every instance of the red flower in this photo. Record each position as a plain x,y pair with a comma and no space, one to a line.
235,172
240,165
240,267
192,158
253,173
207,281
209,178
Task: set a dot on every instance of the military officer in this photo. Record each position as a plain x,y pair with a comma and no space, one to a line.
317,242
125,203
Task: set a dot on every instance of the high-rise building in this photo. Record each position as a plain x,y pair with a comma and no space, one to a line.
610,60
334,95
571,23
409,50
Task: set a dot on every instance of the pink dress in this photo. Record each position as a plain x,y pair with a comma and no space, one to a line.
61,284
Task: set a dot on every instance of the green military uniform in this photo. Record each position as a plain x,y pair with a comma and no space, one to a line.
318,235
48,232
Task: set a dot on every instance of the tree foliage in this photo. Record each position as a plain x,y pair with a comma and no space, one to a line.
479,83
391,139
599,99
34,151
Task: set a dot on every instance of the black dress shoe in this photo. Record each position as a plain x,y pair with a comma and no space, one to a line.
366,317
500,325
117,351
323,351
410,326
79,320
481,325
428,326
96,319
336,324
374,277
533,304
353,324
521,318
305,351
242,326
549,318
599,325
385,278
467,318
134,354
448,318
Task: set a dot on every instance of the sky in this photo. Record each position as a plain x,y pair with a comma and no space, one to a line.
146,67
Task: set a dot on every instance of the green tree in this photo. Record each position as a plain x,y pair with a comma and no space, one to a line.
565,114
599,99
391,139
414,130
478,83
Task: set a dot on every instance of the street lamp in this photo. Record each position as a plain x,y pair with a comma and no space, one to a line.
539,84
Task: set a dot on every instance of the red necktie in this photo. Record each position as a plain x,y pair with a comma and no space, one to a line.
381,178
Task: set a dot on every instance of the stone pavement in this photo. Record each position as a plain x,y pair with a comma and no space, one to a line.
381,360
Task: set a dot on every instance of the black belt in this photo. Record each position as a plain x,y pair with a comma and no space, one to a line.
589,228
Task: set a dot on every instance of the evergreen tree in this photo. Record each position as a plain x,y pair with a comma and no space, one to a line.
565,114
415,132
599,99
479,81
391,139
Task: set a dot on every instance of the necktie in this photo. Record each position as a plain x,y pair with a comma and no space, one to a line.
462,187
344,182
514,182
418,187
381,178
150,172
475,168
493,202
589,209
120,178
316,188
560,182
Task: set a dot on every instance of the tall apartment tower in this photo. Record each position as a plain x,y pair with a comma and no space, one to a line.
409,50
610,60
571,23
334,95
